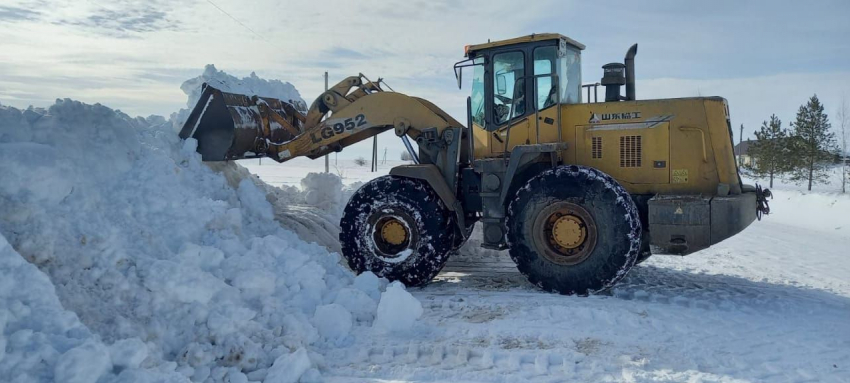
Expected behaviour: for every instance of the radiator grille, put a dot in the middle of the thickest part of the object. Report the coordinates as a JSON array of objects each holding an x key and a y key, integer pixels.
[
  {"x": 630, "y": 151},
  {"x": 596, "y": 147}
]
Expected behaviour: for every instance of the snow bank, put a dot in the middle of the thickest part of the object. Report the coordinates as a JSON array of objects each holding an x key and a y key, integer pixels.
[
  {"x": 825, "y": 212},
  {"x": 176, "y": 272}
]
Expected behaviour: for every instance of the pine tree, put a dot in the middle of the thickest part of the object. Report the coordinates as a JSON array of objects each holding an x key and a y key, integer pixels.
[
  {"x": 811, "y": 144},
  {"x": 770, "y": 150}
]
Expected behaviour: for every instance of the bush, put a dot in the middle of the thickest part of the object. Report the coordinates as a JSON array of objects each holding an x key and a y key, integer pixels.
[
  {"x": 360, "y": 161},
  {"x": 405, "y": 156}
]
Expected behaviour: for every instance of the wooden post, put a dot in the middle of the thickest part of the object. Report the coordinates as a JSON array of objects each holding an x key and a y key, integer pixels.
[
  {"x": 327, "y": 159},
  {"x": 375, "y": 153}
]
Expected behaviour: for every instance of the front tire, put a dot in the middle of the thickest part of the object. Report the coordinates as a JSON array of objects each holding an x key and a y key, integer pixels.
[
  {"x": 573, "y": 230},
  {"x": 397, "y": 228}
]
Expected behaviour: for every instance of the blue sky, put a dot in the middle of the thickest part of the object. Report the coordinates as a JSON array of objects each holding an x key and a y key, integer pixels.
[{"x": 764, "y": 56}]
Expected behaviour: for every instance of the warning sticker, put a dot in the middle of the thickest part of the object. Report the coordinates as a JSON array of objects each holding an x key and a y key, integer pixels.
[{"x": 680, "y": 176}]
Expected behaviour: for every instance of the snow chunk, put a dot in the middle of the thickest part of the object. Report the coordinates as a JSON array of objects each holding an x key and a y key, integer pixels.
[
  {"x": 288, "y": 368},
  {"x": 83, "y": 364},
  {"x": 369, "y": 283},
  {"x": 398, "y": 310},
  {"x": 254, "y": 200},
  {"x": 183, "y": 283},
  {"x": 333, "y": 321},
  {"x": 128, "y": 352},
  {"x": 360, "y": 304}
]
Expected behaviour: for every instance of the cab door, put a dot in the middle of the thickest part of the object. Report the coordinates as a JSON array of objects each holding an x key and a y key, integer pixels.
[{"x": 507, "y": 99}]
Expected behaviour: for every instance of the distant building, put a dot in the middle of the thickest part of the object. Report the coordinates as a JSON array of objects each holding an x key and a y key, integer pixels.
[{"x": 742, "y": 153}]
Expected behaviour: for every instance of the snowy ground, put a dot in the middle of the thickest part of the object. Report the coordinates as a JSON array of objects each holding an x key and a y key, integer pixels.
[
  {"x": 771, "y": 304},
  {"x": 123, "y": 258}
]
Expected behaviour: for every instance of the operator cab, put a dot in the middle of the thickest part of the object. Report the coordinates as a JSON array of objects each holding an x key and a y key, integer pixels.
[{"x": 516, "y": 77}]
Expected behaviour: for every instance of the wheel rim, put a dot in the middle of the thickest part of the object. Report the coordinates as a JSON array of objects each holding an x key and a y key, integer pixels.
[
  {"x": 568, "y": 231},
  {"x": 393, "y": 232},
  {"x": 564, "y": 233}
]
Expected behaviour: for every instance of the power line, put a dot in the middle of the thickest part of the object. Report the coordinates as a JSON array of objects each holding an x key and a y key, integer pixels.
[{"x": 239, "y": 22}]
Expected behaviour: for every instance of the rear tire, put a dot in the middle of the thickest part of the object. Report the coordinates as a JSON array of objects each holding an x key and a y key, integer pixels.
[
  {"x": 397, "y": 228},
  {"x": 573, "y": 230}
]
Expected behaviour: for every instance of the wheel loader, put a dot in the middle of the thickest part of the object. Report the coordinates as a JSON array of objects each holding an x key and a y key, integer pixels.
[{"x": 577, "y": 191}]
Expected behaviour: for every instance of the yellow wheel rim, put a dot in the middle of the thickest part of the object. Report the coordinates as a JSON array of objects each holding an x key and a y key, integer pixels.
[
  {"x": 564, "y": 233},
  {"x": 394, "y": 232},
  {"x": 569, "y": 232}
]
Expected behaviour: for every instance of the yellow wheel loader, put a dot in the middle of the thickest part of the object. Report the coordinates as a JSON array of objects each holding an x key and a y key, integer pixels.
[{"x": 577, "y": 190}]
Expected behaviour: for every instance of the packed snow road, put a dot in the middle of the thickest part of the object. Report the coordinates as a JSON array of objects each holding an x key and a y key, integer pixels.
[{"x": 771, "y": 304}]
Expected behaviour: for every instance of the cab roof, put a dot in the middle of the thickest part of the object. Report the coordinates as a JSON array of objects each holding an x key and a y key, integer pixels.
[{"x": 471, "y": 49}]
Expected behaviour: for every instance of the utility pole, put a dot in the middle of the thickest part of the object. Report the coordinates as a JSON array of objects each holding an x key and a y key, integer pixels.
[
  {"x": 741, "y": 136},
  {"x": 327, "y": 159},
  {"x": 384, "y": 162},
  {"x": 740, "y": 141}
]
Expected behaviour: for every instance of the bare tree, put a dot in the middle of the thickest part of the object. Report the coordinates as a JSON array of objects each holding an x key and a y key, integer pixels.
[
  {"x": 843, "y": 121},
  {"x": 360, "y": 161}
]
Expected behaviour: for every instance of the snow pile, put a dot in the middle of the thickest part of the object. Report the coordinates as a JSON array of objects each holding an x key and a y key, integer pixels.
[
  {"x": 175, "y": 273},
  {"x": 251, "y": 85}
]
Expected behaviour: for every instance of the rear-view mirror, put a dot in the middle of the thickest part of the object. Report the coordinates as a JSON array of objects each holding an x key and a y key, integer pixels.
[{"x": 501, "y": 84}]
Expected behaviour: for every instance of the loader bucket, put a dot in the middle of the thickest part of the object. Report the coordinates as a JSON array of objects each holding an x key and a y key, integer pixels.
[{"x": 230, "y": 126}]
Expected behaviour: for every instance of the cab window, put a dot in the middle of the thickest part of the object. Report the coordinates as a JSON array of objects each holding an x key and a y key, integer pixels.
[
  {"x": 507, "y": 68},
  {"x": 545, "y": 61}
]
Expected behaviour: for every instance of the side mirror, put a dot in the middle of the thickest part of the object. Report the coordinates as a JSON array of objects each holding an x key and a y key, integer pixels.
[
  {"x": 459, "y": 76},
  {"x": 501, "y": 84}
]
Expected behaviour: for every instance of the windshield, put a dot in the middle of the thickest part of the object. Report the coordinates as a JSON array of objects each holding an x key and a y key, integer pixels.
[
  {"x": 478, "y": 92},
  {"x": 508, "y": 70}
]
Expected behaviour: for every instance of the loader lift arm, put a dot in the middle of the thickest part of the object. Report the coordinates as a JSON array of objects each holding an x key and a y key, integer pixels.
[{"x": 353, "y": 110}]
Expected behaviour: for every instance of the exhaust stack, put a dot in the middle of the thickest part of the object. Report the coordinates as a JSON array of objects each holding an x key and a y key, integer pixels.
[{"x": 630, "y": 73}]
